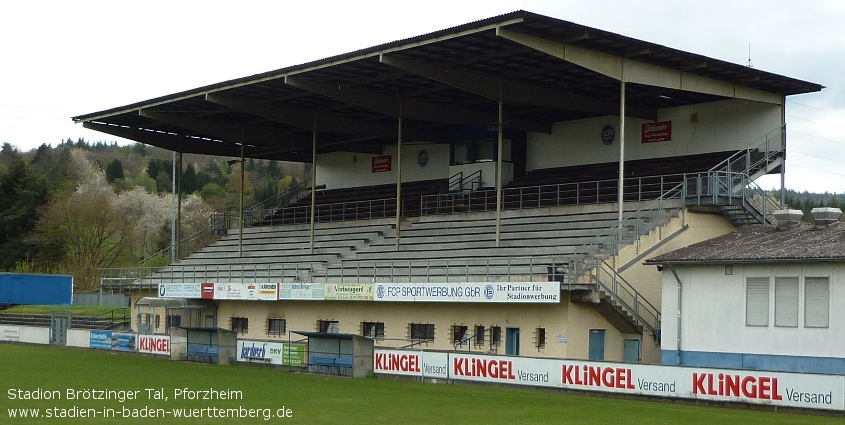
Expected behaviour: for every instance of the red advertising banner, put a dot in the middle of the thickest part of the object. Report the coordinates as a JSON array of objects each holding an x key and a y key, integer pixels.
[
  {"x": 382, "y": 164},
  {"x": 657, "y": 132},
  {"x": 207, "y": 290}
]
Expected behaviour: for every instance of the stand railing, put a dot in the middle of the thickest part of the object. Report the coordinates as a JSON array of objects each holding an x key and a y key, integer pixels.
[{"x": 220, "y": 223}]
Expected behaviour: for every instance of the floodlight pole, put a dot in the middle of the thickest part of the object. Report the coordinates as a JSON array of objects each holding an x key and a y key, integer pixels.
[
  {"x": 179, "y": 198},
  {"x": 173, "y": 247}
]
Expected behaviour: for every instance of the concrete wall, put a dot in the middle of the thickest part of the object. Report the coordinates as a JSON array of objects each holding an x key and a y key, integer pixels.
[
  {"x": 572, "y": 322},
  {"x": 340, "y": 170},
  {"x": 726, "y": 125}
]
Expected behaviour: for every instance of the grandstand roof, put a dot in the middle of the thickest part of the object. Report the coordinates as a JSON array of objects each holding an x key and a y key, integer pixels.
[{"x": 545, "y": 70}]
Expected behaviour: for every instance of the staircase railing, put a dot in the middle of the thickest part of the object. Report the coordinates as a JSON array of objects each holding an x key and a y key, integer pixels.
[
  {"x": 459, "y": 183},
  {"x": 760, "y": 154},
  {"x": 106, "y": 320},
  {"x": 220, "y": 223},
  {"x": 624, "y": 294}
]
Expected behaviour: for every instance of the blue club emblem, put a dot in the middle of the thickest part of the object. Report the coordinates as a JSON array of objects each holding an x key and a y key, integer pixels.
[
  {"x": 488, "y": 292},
  {"x": 380, "y": 291}
]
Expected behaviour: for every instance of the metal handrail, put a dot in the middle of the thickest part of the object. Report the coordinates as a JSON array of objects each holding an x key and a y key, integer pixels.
[
  {"x": 632, "y": 300},
  {"x": 576, "y": 193},
  {"x": 125, "y": 315},
  {"x": 220, "y": 223}
]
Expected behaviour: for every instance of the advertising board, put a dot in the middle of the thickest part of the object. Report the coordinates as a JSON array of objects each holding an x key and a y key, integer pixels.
[
  {"x": 349, "y": 291},
  {"x": 154, "y": 344},
  {"x": 271, "y": 352},
  {"x": 246, "y": 291},
  {"x": 470, "y": 292},
  {"x": 179, "y": 290},
  {"x": 302, "y": 291},
  {"x": 801, "y": 390}
]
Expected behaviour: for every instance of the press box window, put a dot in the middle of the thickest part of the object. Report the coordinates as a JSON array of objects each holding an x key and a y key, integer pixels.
[
  {"x": 276, "y": 326},
  {"x": 757, "y": 301},
  {"x": 373, "y": 330},
  {"x": 422, "y": 331},
  {"x": 240, "y": 325},
  {"x": 816, "y": 302}
]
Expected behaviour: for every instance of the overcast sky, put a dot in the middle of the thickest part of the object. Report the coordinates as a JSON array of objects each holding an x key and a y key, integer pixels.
[{"x": 64, "y": 58}]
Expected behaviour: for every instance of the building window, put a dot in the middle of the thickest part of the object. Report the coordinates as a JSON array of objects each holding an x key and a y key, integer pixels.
[
  {"x": 422, "y": 331},
  {"x": 540, "y": 338},
  {"x": 479, "y": 335},
  {"x": 276, "y": 326},
  {"x": 373, "y": 330},
  {"x": 173, "y": 320},
  {"x": 786, "y": 301},
  {"x": 158, "y": 321},
  {"x": 757, "y": 301},
  {"x": 459, "y": 333},
  {"x": 495, "y": 336},
  {"x": 240, "y": 325},
  {"x": 328, "y": 326},
  {"x": 817, "y": 302}
]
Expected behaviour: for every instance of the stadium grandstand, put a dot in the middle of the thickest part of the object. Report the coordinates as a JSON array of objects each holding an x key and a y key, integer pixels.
[{"x": 490, "y": 187}]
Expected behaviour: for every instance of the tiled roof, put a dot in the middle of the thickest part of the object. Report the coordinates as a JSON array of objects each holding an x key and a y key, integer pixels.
[{"x": 765, "y": 243}]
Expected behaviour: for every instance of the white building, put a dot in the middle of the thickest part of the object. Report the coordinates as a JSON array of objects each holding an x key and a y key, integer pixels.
[{"x": 762, "y": 297}]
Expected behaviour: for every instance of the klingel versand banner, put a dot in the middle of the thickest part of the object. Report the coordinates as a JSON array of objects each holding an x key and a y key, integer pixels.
[{"x": 808, "y": 391}]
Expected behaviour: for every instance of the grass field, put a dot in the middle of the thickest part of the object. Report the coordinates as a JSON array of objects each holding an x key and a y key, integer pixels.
[
  {"x": 79, "y": 311},
  {"x": 314, "y": 399}
]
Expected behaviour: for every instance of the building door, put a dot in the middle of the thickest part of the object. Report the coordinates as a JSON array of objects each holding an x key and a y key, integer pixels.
[
  {"x": 145, "y": 324},
  {"x": 596, "y": 344},
  {"x": 512, "y": 341},
  {"x": 59, "y": 324},
  {"x": 631, "y": 351}
]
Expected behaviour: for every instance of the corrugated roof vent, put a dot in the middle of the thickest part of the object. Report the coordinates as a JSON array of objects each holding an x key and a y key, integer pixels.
[
  {"x": 825, "y": 217},
  {"x": 787, "y": 218}
]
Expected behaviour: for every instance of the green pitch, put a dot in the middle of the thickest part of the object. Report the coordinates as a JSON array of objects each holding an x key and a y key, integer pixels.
[{"x": 90, "y": 387}]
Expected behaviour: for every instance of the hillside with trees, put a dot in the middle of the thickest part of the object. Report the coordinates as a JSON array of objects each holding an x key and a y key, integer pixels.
[{"x": 79, "y": 207}]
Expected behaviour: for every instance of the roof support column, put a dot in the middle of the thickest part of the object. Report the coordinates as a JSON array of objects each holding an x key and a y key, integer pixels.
[
  {"x": 621, "y": 194},
  {"x": 783, "y": 156},
  {"x": 173, "y": 241},
  {"x": 241, "y": 212},
  {"x": 313, "y": 181},
  {"x": 499, "y": 143},
  {"x": 179, "y": 199},
  {"x": 399, "y": 177}
]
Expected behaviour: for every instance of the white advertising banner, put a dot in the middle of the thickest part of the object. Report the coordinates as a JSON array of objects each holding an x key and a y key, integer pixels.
[
  {"x": 179, "y": 290},
  {"x": 276, "y": 353},
  {"x": 809, "y": 391},
  {"x": 302, "y": 291},
  {"x": 470, "y": 292},
  {"x": 427, "y": 364},
  {"x": 154, "y": 344},
  {"x": 246, "y": 291},
  {"x": 10, "y": 333}
]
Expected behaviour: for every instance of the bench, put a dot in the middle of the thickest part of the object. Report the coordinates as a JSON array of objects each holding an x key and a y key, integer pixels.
[
  {"x": 265, "y": 360},
  {"x": 203, "y": 352},
  {"x": 332, "y": 365}
]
